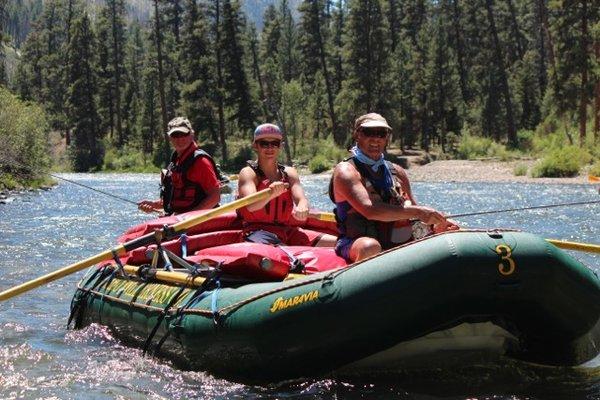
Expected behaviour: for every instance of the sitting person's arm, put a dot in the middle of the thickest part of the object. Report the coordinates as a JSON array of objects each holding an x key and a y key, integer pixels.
[
  {"x": 203, "y": 173},
  {"x": 149, "y": 206},
  {"x": 349, "y": 187},
  {"x": 300, "y": 211}
]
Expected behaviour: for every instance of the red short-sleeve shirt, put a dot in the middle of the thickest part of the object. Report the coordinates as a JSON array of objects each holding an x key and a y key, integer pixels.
[{"x": 201, "y": 172}]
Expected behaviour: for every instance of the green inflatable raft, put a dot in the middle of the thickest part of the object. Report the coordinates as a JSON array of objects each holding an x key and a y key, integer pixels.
[{"x": 506, "y": 293}]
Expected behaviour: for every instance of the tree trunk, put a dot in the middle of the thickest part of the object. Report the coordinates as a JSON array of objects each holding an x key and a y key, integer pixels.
[
  {"x": 117, "y": 71},
  {"x": 220, "y": 105},
  {"x": 541, "y": 44},
  {"x": 161, "y": 75},
  {"x": 338, "y": 136},
  {"x": 597, "y": 98},
  {"x": 510, "y": 121},
  {"x": 258, "y": 77},
  {"x": 584, "y": 77},
  {"x": 518, "y": 37},
  {"x": 460, "y": 54}
]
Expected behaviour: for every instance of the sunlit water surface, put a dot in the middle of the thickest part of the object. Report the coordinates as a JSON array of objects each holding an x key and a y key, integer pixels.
[{"x": 46, "y": 230}]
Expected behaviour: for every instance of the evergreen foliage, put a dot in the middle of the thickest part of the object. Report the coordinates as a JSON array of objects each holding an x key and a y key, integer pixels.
[
  {"x": 467, "y": 78},
  {"x": 86, "y": 151}
]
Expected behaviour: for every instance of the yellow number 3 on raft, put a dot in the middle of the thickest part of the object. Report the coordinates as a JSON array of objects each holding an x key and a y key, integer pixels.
[{"x": 507, "y": 266}]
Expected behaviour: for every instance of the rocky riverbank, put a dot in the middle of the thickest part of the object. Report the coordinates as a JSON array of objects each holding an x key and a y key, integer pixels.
[
  {"x": 482, "y": 171},
  {"x": 479, "y": 171}
]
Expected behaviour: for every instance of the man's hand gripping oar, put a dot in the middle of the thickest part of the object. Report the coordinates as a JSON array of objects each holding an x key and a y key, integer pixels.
[{"x": 166, "y": 232}]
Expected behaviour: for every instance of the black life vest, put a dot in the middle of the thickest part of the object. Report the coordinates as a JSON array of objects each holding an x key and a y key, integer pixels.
[
  {"x": 354, "y": 224},
  {"x": 178, "y": 193}
]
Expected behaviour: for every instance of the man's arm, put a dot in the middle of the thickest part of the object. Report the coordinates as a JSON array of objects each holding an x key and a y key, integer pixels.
[
  {"x": 349, "y": 187},
  {"x": 204, "y": 174},
  {"x": 405, "y": 183}
]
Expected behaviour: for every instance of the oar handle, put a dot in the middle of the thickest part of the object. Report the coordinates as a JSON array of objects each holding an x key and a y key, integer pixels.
[
  {"x": 322, "y": 216},
  {"x": 68, "y": 270},
  {"x": 234, "y": 205}
]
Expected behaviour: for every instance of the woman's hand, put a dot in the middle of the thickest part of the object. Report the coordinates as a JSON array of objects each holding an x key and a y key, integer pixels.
[
  {"x": 300, "y": 213},
  {"x": 278, "y": 188}
]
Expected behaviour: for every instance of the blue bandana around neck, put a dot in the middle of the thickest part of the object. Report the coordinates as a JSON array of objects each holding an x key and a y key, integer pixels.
[{"x": 386, "y": 182}]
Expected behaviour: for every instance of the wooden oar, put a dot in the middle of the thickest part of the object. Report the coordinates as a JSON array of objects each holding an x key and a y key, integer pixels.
[
  {"x": 588, "y": 247},
  {"x": 322, "y": 216},
  {"x": 563, "y": 244},
  {"x": 145, "y": 240}
]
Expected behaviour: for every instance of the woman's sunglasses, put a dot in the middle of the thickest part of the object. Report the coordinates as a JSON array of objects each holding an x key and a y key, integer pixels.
[
  {"x": 268, "y": 143},
  {"x": 378, "y": 133}
]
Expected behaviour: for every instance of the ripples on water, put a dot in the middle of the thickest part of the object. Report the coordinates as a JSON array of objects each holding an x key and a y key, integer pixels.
[{"x": 44, "y": 231}]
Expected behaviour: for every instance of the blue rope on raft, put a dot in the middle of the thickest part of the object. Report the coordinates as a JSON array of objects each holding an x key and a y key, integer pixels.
[
  {"x": 183, "y": 239},
  {"x": 213, "y": 303}
]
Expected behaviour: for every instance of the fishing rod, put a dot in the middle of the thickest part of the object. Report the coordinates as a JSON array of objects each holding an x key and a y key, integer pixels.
[
  {"x": 576, "y": 203},
  {"x": 85, "y": 186},
  {"x": 8, "y": 162}
]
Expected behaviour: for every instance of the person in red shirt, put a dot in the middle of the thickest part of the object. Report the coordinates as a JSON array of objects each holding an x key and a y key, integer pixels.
[
  {"x": 190, "y": 181},
  {"x": 272, "y": 220}
]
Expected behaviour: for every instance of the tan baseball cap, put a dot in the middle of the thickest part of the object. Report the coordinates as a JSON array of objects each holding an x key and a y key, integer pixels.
[
  {"x": 179, "y": 124},
  {"x": 371, "y": 120}
]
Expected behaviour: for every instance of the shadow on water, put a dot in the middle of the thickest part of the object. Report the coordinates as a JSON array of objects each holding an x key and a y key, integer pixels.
[{"x": 485, "y": 379}]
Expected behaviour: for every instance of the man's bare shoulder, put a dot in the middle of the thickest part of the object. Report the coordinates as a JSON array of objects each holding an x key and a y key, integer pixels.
[
  {"x": 400, "y": 171},
  {"x": 345, "y": 172}
]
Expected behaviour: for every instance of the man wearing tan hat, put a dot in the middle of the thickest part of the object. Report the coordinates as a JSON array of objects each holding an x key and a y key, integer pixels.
[
  {"x": 190, "y": 180},
  {"x": 375, "y": 208}
]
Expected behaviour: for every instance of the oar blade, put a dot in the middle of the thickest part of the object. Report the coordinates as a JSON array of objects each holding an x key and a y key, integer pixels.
[
  {"x": 60, "y": 273},
  {"x": 132, "y": 244}
]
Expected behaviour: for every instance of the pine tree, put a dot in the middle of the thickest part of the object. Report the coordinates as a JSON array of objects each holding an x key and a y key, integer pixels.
[
  {"x": 441, "y": 78},
  {"x": 366, "y": 60},
  {"x": 2, "y": 56},
  {"x": 150, "y": 119},
  {"x": 132, "y": 96},
  {"x": 235, "y": 79},
  {"x": 53, "y": 90},
  {"x": 315, "y": 57},
  {"x": 197, "y": 66},
  {"x": 86, "y": 148},
  {"x": 569, "y": 27},
  {"x": 113, "y": 15},
  {"x": 338, "y": 23},
  {"x": 29, "y": 77},
  {"x": 257, "y": 74}
]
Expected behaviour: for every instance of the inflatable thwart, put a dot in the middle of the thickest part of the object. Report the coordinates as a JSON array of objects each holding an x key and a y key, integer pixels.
[{"x": 255, "y": 311}]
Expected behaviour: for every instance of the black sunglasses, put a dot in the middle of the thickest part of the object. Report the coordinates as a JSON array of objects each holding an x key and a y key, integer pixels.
[
  {"x": 268, "y": 143},
  {"x": 179, "y": 134},
  {"x": 379, "y": 133}
]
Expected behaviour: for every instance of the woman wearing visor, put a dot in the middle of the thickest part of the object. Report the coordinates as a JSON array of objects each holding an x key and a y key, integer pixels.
[{"x": 271, "y": 220}]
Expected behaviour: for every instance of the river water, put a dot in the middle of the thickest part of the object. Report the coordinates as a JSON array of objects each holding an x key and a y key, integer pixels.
[{"x": 46, "y": 230}]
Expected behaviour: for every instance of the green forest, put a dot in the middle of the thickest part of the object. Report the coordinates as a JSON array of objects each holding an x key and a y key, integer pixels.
[{"x": 457, "y": 78}]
